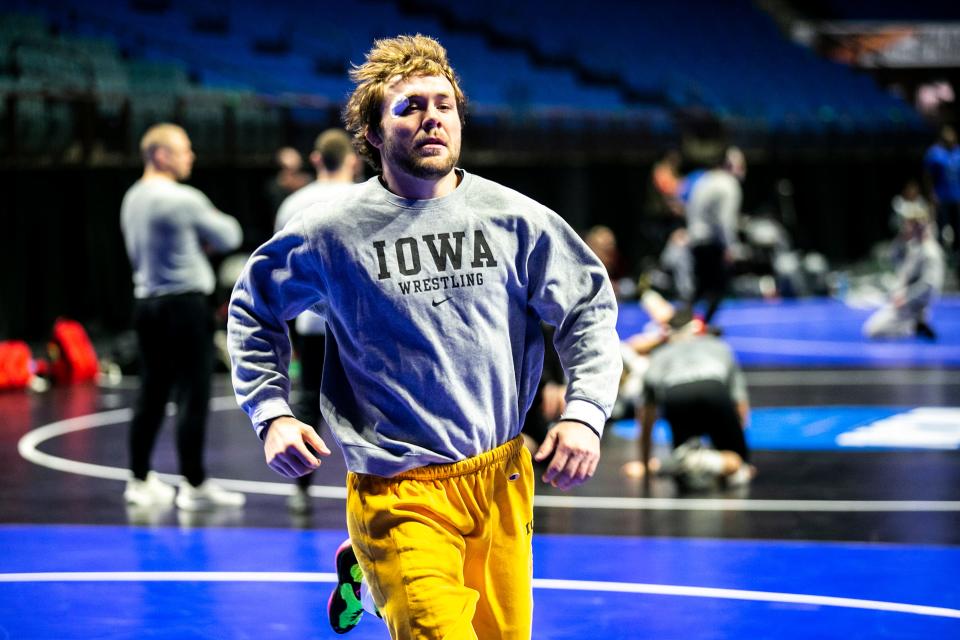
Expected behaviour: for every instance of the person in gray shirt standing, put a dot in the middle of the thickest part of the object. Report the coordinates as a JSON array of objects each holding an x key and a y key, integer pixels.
[
  {"x": 713, "y": 210},
  {"x": 167, "y": 229},
  {"x": 433, "y": 282}
]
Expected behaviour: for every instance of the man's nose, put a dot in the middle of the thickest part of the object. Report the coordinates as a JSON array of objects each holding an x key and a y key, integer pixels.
[{"x": 431, "y": 117}]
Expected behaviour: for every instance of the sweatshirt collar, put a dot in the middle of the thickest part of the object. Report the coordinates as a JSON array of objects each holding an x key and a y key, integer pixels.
[{"x": 455, "y": 196}]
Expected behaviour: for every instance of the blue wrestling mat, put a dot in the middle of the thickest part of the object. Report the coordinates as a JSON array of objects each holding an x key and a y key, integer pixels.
[
  {"x": 824, "y": 428},
  {"x": 819, "y": 332},
  {"x": 76, "y": 583}
]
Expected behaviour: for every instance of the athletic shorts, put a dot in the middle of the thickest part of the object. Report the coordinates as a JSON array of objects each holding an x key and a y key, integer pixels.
[
  {"x": 705, "y": 408},
  {"x": 446, "y": 549}
]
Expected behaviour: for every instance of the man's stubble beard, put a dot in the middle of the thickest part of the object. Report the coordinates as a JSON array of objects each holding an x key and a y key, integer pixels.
[{"x": 423, "y": 167}]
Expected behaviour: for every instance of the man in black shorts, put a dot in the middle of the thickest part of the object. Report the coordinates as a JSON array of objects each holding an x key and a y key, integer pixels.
[{"x": 695, "y": 383}]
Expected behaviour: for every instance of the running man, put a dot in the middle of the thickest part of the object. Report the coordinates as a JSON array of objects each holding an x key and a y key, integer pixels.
[{"x": 433, "y": 282}]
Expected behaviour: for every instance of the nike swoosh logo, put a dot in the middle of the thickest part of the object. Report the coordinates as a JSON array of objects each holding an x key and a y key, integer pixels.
[{"x": 437, "y": 304}]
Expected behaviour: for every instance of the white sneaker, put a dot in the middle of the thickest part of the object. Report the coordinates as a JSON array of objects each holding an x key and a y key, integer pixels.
[
  {"x": 704, "y": 460},
  {"x": 152, "y": 492},
  {"x": 741, "y": 477},
  {"x": 299, "y": 501},
  {"x": 207, "y": 496},
  {"x": 676, "y": 462},
  {"x": 695, "y": 466}
]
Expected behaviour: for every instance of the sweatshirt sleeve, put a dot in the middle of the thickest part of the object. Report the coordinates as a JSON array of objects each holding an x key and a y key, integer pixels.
[
  {"x": 281, "y": 279},
  {"x": 569, "y": 290},
  {"x": 217, "y": 229}
]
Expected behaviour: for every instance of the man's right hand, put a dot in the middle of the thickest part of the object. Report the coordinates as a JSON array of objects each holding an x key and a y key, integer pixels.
[{"x": 287, "y": 447}]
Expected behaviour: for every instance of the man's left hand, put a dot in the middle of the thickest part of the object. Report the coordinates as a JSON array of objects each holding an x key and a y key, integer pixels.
[{"x": 576, "y": 453}]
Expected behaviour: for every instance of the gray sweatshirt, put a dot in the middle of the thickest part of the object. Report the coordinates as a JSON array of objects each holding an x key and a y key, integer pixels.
[
  {"x": 434, "y": 347},
  {"x": 920, "y": 275},
  {"x": 308, "y": 323},
  {"x": 714, "y": 208},
  {"x": 165, "y": 228}
]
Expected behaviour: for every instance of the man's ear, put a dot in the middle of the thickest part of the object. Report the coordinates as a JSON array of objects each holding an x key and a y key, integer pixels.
[
  {"x": 160, "y": 156},
  {"x": 373, "y": 137}
]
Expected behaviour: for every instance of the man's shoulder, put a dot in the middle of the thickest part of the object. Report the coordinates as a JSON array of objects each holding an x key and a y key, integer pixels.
[
  {"x": 935, "y": 154},
  {"x": 712, "y": 181},
  {"x": 487, "y": 194},
  {"x": 725, "y": 178},
  {"x": 169, "y": 190},
  {"x": 718, "y": 345},
  {"x": 337, "y": 212},
  {"x": 320, "y": 192},
  {"x": 932, "y": 249},
  {"x": 313, "y": 194},
  {"x": 173, "y": 189}
]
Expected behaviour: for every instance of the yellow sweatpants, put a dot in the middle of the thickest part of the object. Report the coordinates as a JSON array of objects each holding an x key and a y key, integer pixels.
[{"x": 446, "y": 549}]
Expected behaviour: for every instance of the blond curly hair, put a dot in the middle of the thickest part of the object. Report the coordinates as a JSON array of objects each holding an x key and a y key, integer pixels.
[{"x": 405, "y": 56}]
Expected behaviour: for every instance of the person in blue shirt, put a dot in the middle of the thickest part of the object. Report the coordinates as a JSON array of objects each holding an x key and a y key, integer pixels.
[{"x": 941, "y": 166}]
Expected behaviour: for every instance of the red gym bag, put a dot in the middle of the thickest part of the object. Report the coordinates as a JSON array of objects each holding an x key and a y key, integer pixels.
[
  {"x": 15, "y": 363},
  {"x": 72, "y": 357}
]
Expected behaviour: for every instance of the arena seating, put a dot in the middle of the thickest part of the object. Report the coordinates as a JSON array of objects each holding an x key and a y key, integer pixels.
[{"x": 219, "y": 65}]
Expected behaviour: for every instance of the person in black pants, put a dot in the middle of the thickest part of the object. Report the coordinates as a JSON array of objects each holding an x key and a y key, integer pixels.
[
  {"x": 174, "y": 334},
  {"x": 713, "y": 210},
  {"x": 167, "y": 229}
]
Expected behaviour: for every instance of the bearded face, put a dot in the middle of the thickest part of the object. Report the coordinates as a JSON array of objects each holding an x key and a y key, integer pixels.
[{"x": 420, "y": 128}]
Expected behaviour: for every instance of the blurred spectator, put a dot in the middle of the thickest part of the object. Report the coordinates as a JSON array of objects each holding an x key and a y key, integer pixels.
[
  {"x": 289, "y": 178},
  {"x": 603, "y": 243},
  {"x": 665, "y": 179},
  {"x": 713, "y": 210},
  {"x": 635, "y": 352},
  {"x": 677, "y": 260},
  {"x": 942, "y": 175},
  {"x": 902, "y": 207},
  {"x": 909, "y": 196},
  {"x": 337, "y": 165},
  {"x": 167, "y": 227},
  {"x": 919, "y": 281},
  {"x": 663, "y": 208}
]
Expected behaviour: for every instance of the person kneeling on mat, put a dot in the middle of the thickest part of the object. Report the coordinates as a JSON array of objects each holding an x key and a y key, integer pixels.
[
  {"x": 919, "y": 280},
  {"x": 694, "y": 381}
]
